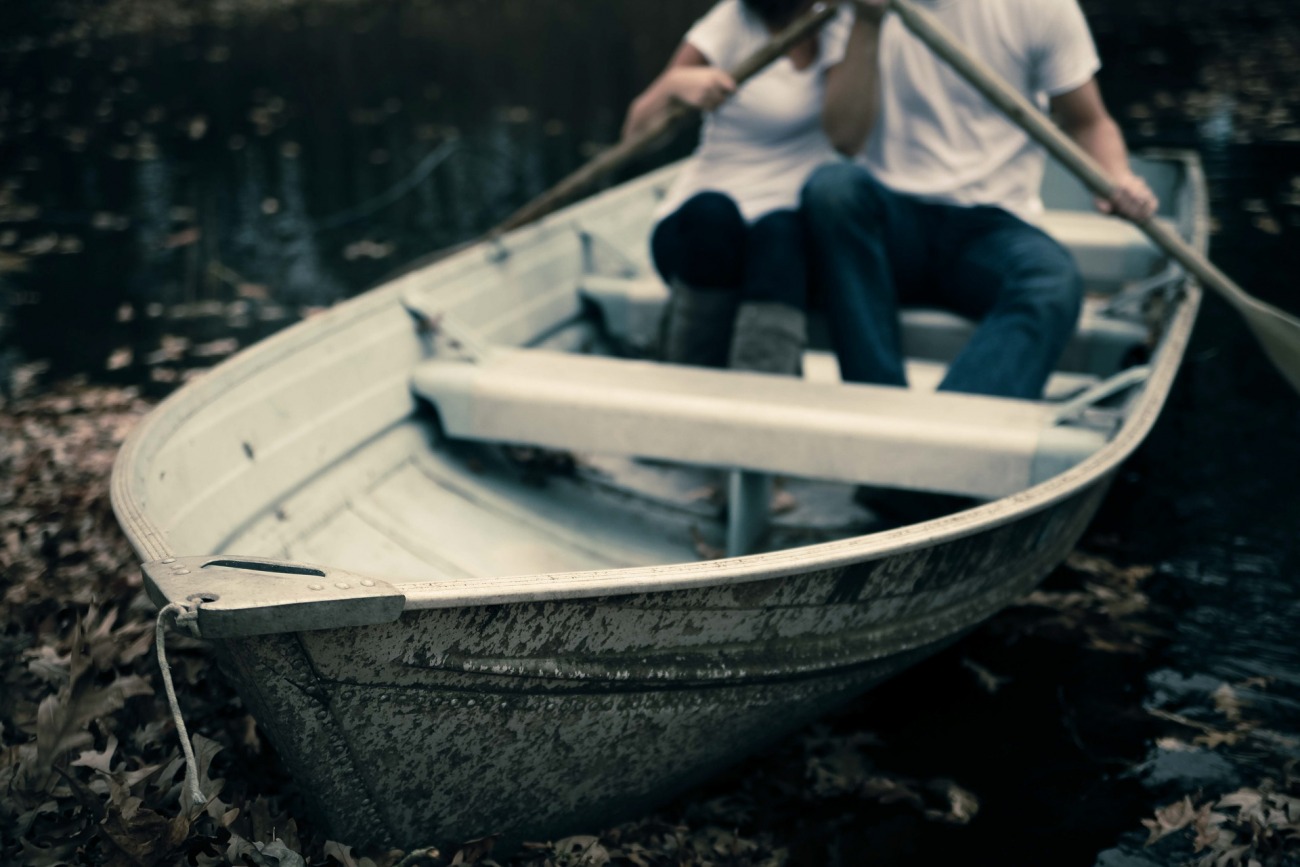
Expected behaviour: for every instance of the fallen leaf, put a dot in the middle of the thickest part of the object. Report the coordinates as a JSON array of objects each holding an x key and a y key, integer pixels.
[
  {"x": 1169, "y": 819},
  {"x": 585, "y": 851},
  {"x": 1213, "y": 739},
  {"x": 183, "y": 238},
  {"x": 988, "y": 681},
  {"x": 474, "y": 851},
  {"x": 120, "y": 358},
  {"x": 1174, "y": 745},
  {"x": 272, "y": 854},
  {"x": 339, "y": 852},
  {"x": 99, "y": 761},
  {"x": 62, "y": 720}
]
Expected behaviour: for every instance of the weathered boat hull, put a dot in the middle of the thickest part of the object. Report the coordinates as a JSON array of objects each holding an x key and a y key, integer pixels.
[
  {"x": 500, "y": 659},
  {"x": 429, "y": 728}
]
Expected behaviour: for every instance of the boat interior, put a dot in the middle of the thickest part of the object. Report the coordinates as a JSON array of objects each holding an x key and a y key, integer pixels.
[{"x": 506, "y": 415}]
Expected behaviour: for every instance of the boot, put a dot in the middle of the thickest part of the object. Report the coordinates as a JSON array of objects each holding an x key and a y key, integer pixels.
[
  {"x": 769, "y": 338},
  {"x": 697, "y": 325}
]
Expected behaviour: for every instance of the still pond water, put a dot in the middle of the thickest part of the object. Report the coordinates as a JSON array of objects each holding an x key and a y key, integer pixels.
[{"x": 176, "y": 184}]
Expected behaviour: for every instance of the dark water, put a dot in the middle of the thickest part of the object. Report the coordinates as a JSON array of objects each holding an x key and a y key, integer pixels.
[
  {"x": 176, "y": 183},
  {"x": 272, "y": 163}
]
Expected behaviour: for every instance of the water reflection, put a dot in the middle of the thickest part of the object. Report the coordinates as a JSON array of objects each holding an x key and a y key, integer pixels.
[{"x": 291, "y": 157}]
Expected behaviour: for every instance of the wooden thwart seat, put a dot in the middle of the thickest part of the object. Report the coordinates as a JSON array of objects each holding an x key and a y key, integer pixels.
[{"x": 961, "y": 444}]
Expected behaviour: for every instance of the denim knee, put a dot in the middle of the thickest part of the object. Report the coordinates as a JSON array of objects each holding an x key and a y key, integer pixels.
[
  {"x": 1050, "y": 283},
  {"x": 776, "y": 261},
  {"x": 841, "y": 191},
  {"x": 702, "y": 243},
  {"x": 712, "y": 212}
]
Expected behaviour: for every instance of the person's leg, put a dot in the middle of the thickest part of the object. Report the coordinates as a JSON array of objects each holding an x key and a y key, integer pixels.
[
  {"x": 776, "y": 260},
  {"x": 699, "y": 250},
  {"x": 1025, "y": 291},
  {"x": 702, "y": 243},
  {"x": 872, "y": 248},
  {"x": 771, "y": 324},
  {"x": 868, "y": 247}
]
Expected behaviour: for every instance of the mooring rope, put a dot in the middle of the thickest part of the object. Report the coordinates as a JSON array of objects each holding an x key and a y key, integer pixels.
[{"x": 187, "y": 616}]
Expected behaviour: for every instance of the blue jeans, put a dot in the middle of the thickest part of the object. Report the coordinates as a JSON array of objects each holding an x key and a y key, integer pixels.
[
  {"x": 707, "y": 244},
  {"x": 874, "y": 249}
]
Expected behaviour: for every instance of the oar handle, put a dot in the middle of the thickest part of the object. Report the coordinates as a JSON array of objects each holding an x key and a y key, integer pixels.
[
  {"x": 1028, "y": 117},
  {"x": 675, "y": 118}
]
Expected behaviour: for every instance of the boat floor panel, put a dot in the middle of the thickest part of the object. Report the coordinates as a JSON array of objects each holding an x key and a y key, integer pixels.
[
  {"x": 351, "y": 542},
  {"x": 399, "y": 524},
  {"x": 609, "y": 525},
  {"x": 630, "y": 513},
  {"x": 492, "y": 537}
]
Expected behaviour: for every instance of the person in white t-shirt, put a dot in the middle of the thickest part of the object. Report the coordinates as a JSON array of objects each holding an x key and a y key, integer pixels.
[
  {"x": 938, "y": 207},
  {"x": 728, "y": 238}
]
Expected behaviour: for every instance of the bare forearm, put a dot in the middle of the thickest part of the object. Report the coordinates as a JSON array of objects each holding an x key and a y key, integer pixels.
[
  {"x": 1083, "y": 116},
  {"x": 688, "y": 80},
  {"x": 1102, "y": 140},
  {"x": 648, "y": 108},
  {"x": 853, "y": 90}
]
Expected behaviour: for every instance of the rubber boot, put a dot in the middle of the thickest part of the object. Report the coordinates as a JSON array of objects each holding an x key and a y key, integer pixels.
[
  {"x": 697, "y": 325},
  {"x": 769, "y": 338}
]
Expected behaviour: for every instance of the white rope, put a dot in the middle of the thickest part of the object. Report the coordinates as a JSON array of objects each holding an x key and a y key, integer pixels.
[{"x": 187, "y": 616}]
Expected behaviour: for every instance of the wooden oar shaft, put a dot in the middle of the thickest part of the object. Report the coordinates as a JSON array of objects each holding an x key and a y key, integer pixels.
[
  {"x": 1028, "y": 116},
  {"x": 582, "y": 180}
]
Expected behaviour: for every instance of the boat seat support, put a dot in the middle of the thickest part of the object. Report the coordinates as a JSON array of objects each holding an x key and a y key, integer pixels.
[{"x": 749, "y": 496}]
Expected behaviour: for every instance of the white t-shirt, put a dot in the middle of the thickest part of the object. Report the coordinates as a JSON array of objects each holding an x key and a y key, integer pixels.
[
  {"x": 938, "y": 137},
  {"x": 761, "y": 144}
]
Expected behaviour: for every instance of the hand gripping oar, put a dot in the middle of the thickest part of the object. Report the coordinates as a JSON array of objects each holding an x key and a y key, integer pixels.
[
  {"x": 1277, "y": 331},
  {"x": 673, "y": 120}
]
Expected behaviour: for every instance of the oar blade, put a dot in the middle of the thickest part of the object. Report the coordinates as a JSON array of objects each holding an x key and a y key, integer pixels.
[{"x": 1278, "y": 333}]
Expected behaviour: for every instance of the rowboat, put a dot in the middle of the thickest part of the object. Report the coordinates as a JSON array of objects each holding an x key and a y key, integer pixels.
[{"x": 447, "y": 543}]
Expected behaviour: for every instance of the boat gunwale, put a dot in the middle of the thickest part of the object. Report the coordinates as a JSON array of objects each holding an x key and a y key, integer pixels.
[{"x": 150, "y": 542}]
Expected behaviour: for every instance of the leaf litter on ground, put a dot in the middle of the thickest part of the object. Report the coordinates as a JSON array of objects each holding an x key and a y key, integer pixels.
[{"x": 1255, "y": 825}]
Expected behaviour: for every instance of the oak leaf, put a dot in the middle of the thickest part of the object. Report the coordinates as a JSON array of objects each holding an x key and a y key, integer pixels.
[{"x": 1169, "y": 819}]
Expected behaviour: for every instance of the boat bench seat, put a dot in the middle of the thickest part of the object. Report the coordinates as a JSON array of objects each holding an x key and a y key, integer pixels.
[
  {"x": 1110, "y": 253},
  {"x": 961, "y": 444}
]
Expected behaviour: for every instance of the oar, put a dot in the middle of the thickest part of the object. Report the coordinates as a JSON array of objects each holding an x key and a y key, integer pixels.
[
  {"x": 1277, "y": 331},
  {"x": 581, "y": 180}
]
